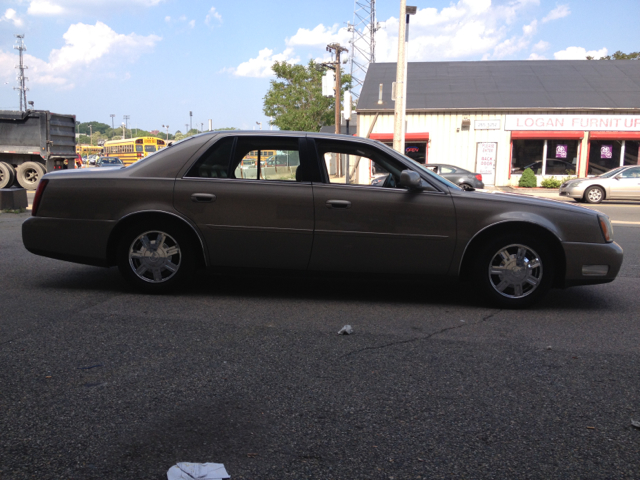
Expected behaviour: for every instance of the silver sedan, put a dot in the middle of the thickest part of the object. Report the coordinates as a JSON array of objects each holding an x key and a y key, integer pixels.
[
  {"x": 192, "y": 205},
  {"x": 621, "y": 183}
]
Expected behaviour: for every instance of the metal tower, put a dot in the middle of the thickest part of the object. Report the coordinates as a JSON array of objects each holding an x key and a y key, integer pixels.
[
  {"x": 21, "y": 68},
  {"x": 363, "y": 41}
]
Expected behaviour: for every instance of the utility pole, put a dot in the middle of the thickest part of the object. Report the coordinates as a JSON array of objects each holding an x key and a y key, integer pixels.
[
  {"x": 335, "y": 47},
  {"x": 167, "y": 127},
  {"x": 113, "y": 115},
  {"x": 399, "y": 126},
  {"x": 21, "y": 68},
  {"x": 91, "y": 133},
  {"x": 190, "y": 118}
]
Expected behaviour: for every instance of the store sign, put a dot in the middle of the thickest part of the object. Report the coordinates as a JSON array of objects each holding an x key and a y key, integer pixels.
[
  {"x": 486, "y": 155},
  {"x": 606, "y": 151},
  {"x": 487, "y": 124},
  {"x": 561, "y": 151},
  {"x": 619, "y": 123}
]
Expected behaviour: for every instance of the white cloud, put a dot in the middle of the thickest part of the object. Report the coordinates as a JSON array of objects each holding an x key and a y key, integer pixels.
[
  {"x": 192, "y": 23},
  {"x": 61, "y": 7},
  {"x": 44, "y": 7},
  {"x": 535, "y": 56},
  {"x": 84, "y": 46},
  {"x": 560, "y": 11},
  {"x": 213, "y": 14},
  {"x": 12, "y": 16},
  {"x": 167, "y": 19},
  {"x": 541, "y": 46},
  {"x": 320, "y": 36},
  {"x": 261, "y": 65},
  {"x": 579, "y": 53}
]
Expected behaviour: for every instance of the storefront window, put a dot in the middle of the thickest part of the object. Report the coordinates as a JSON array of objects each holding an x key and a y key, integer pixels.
[
  {"x": 415, "y": 150},
  {"x": 527, "y": 154},
  {"x": 604, "y": 155},
  {"x": 561, "y": 158},
  {"x": 631, "y": 152}
]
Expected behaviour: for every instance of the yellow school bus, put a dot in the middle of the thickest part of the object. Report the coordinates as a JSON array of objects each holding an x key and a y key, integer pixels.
[
  {"x": 85, "y": 150},
  {"x": 131, "y": 150}
]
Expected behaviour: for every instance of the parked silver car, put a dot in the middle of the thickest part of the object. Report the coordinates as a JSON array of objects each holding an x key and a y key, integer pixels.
[
  {"x": 191, "y": 205},
  {"x": 621, "y": 183}
]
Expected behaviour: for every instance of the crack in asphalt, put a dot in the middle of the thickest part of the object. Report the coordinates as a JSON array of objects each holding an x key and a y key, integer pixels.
[{"x": 411, "y": 340}]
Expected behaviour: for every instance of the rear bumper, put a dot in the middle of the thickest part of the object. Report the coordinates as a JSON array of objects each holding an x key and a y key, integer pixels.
[
  {"x": 581, "y": 255},
  {"x": 79, "y": 241}
]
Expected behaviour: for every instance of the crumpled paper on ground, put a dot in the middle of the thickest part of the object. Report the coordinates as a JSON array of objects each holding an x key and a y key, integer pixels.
[{"x": 202, "y": 471}]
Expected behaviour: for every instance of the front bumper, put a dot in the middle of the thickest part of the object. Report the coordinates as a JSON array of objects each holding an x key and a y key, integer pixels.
[
  {"x": 581, "y": 255},
  {"x": 572, "y": 191},
  {"x": 79, "y": 241}
]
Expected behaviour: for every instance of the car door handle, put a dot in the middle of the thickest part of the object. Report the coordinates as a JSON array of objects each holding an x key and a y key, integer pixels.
[
  {"x": 338, "y": 204},
  {"x": 203, "y": 198}
]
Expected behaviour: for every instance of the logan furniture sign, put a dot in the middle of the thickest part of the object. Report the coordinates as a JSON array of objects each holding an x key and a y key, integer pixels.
[{"x": 620, "y": 123}]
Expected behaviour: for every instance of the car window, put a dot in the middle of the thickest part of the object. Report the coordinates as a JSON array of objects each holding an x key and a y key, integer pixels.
[
  {"x": 252, "y": 158},
  {"x": 631, "y": 173},
  {"x": 444, "y": 170},
  {"x": 357, "y": 164}
]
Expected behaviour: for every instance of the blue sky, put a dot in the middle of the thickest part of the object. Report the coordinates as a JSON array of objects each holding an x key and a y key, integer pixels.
[{"x": 156, "y": 60}]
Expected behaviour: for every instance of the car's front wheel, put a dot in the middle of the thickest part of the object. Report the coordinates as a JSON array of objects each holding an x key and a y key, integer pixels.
[
  {"x": 156, "y": 258},
  {"x": 594, "y": 195},
  {"x": 514, "y": 271}
]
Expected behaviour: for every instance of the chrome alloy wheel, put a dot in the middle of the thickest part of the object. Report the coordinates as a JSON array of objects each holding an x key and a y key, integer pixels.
[
  {"x": 515, "y": 271},
  {"x": 594, "y": 195},
  {"x": 155, "y": 256}
]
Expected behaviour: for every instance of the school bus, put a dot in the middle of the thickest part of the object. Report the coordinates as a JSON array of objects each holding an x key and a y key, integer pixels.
[
  {"x": 131, "y": 150},
  {"x": 85, "y": 150}
]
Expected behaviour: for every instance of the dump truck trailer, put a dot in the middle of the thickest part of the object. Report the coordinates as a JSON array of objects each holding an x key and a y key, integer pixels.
[{"x": 33, "y": 143}]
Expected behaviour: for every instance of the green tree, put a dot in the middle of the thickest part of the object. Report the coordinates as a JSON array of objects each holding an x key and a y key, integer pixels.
[
  {"x": 225, "y": 128},
  {"x": 295, "y": 100},
  {"x": 619, "y": 56}
]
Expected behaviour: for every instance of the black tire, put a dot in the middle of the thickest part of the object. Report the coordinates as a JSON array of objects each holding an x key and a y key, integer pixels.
[
  {"x": 514, "y": 270},
  {"x": 593, "y": 195},
  {"x": 29, "y": 175},
  {"x": 153, "y": 268},
  {"x": 7, "y": 175}
]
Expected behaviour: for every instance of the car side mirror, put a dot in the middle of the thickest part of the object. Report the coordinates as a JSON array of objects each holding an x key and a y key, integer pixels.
[{"x": 410, "y": 180}]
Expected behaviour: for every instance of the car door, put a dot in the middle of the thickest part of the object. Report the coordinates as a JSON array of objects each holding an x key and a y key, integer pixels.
[
  {"x": 250, "y": 215},
  {"x": 626, "y": 184},
  {"x": 366, "y": 228}
]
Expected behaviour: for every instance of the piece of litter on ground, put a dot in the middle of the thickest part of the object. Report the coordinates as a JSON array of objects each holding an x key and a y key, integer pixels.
[
  {"x": 549, "y": 347},
  {"x": 635, "y": 423},
  {"x": 202, "y": 471},
  {"x": 591, "y": 428},
  {"x": 346, "y": 330}
]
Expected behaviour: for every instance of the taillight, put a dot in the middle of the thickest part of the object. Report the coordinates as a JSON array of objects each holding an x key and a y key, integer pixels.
[
  {"x": 479, "y": 176},
  {"x": 38, "y": 196},
  {"x": 139, "y": 155}
]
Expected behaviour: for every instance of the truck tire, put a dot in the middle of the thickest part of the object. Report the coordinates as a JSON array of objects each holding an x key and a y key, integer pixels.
[
  {"x": 7, "y": 175},
  {"x": 29, "y": 175}
]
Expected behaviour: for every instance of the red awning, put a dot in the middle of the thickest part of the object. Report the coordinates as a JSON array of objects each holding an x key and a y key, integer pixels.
[
  {"x": 614, "y": 136},
  {"x": 411, "y": 137},
  {"x": 546, "y": 135}
]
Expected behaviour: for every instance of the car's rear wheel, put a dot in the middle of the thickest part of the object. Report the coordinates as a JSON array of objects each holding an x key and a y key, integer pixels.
[
  {"x": 594, "y": 195},
  {"x": 514, "y": 271},
  {"x": 29, "y": 175},
  {"x": 7, "y": 175},
  {"x": 156, "y": 258}
]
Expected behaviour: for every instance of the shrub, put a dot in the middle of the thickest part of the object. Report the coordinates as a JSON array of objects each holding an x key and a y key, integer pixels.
[
  {"x": 551, "y": 182},
  {"x": 528, "y": 179}
]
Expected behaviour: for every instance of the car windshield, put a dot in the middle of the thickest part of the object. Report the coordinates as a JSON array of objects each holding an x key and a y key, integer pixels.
[
  {"x": 611, "y": 173},
  {"x": 424, "y": 169}
]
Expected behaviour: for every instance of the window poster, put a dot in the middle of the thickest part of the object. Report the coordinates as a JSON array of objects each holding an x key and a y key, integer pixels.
[
  {"x": 606, "y": 151},
  {"x": 561, "y": 151}
]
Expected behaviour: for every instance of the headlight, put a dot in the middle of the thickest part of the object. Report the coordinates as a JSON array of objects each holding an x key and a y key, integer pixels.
[{"x": 607, "y": 229}]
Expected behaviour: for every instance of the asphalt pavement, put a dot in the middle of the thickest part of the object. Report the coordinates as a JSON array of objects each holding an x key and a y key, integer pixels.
[{"x": 98, "y": 382}]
